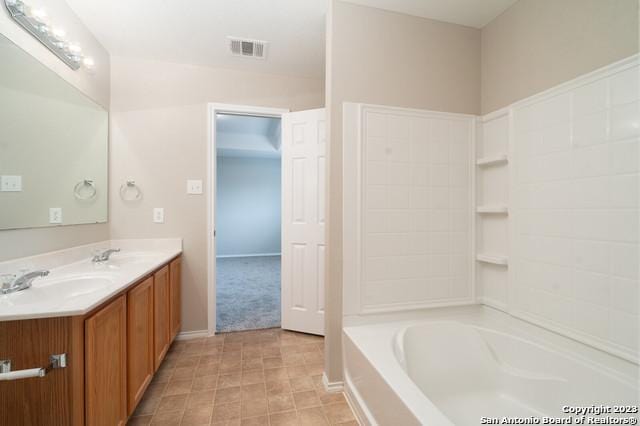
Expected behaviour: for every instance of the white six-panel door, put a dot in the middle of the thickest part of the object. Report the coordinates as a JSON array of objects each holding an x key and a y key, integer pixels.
[{"x": 303, "y": 220}]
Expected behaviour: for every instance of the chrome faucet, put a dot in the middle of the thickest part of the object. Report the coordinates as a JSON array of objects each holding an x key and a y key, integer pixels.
[
  {"x": 104, "y": 255},
  {"x": 22, "y": 282}
]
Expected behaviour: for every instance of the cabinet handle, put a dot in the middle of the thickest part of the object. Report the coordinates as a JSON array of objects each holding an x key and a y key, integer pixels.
[{"x": 55, "y": 361}]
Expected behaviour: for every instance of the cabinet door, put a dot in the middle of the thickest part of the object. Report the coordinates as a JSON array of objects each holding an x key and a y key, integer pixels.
[
  {"x": 140, "y": 352},
  {"x": 175, "y": 270},
  {"x": 105, "y": 365},
  {"x": 161, "y": 317}
]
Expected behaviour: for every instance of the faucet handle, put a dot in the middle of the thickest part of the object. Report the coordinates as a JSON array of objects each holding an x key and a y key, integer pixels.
[{"x": 6, "y": 280}]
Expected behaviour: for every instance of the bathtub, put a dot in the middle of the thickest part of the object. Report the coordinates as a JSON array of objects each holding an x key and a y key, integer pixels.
[{"x": 475, "y": 365}]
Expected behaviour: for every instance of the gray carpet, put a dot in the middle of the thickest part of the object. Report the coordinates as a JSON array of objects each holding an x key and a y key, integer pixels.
[{"x": 248, "y": 293}]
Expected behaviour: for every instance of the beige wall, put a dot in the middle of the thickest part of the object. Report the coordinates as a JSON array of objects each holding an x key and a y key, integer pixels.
[
  {"x": 159, "y": 138},
  {"x": 537, "y": 44},
  {"x": 25, "y": 242},
  {"x": 381, "y": 57}
]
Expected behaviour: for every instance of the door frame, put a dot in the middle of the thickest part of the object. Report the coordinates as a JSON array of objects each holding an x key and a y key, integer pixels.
[{"x": 213, "y": 109}]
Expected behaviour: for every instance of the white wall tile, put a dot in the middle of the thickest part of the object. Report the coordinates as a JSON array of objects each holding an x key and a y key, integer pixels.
[
  {"x": 625, "y": 87},
  {"x": 624, "y": 295},
  {"x": 577, "y": 210},
  {"x": 624, "y": 156},
  {"x": 398, "y": 174},
  {"x": 624, "y": 260},
  {"x": 590, "y": 129},
  {"x": 590, "y": 98},
  {"x": 416, "y": 194},
  {"x": 625, "y": 121}
]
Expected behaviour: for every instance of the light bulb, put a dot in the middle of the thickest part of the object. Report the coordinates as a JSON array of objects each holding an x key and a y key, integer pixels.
[
  {"x": 75, "y": 48},
  {"x": 59, "y": 32},
  {"x": 39, "y": 13},
  {"x": 88, "y": 62}
]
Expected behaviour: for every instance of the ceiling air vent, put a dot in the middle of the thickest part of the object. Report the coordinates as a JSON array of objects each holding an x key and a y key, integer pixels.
[{"x": 248, "y": 48}]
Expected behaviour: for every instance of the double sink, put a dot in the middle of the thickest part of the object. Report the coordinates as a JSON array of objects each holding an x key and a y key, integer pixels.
[{"x": 76, "y": 288}]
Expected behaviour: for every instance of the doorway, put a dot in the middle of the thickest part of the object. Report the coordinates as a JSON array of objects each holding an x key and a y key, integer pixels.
[
  {"x": 266, "y": 266},
  {"x": 248, "y": 222}
]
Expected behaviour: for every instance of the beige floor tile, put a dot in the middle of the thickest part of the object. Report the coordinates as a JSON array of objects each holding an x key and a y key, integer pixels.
[
  {"x": 330, "y": 397},
  {"x": 281, "y": 402},
  {"x": 200, "y": 399},
  {"x": 254, "y": 391},
  {"x": 198, "y": 416},
  {"x": 302, "y": 383},
  {"x": 226, "y": 412},
  {"x": 253, "y": 408},
  {"x": 206, "y": 369},
  {"x": 228, "y": 380},
  {"x": 167, "y": 418},
  {"x": 203, "y": 383},
  {"x": 227, "y": 395},
  {"x": 275, "y": 374},
  {"x": 251, "y": 377},
  {"x": 188, "y": 361},
  {"x": 338, "y": 413},
  {"x": 148, "y": 405},
  {"x": 183, "y": 373},
  {"x": 312, "y": 417},
  {"x": 296, "y": 371},
  {"x": 172, "y": 403},
  {"x": 263, "y": 377},
  {"x": 178, "y": 387},
  {"x": 272, "y": 362},
  {"x": 306, "y": 399},
  {"x": 278, "y": 387},
  {"x": 140, "y": 421},
  {"x": 289, "y": 418},
  {"x": 255, "y": 421}
]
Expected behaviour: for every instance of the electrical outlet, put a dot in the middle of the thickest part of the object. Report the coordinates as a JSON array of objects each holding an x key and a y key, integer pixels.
[
  {"x": 10, "y": 183},
  {"x": 55, "y": 215},
  {"x": 194, "y": 186},
  {"x": 158, "y": 215}
]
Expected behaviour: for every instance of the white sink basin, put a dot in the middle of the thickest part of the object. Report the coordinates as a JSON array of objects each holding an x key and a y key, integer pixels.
[
  {"x": 43, "y": 290},
  {"x": 120, "y": 260}
]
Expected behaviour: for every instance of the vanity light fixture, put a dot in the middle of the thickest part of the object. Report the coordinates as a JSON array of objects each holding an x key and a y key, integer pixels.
[{"x": 36, "y": 22}]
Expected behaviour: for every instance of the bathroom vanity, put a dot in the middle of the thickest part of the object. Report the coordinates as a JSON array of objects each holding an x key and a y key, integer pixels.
[{"x": 113, "y": 321}]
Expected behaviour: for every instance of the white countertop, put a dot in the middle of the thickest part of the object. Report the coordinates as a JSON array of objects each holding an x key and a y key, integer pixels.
[{"x": 75, "y": 284}]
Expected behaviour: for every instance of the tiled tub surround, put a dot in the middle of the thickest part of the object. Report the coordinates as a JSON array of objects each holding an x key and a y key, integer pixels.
[
  {"x": 50, "y": 296},
  {"x": 265, "y": 377},
  {"x": 407, "y": 209},
  {"x": 420, "y": 371},
  {"x": 575, "y": 190}
]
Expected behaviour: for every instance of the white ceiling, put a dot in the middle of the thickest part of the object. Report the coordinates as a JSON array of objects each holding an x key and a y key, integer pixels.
[
  {"x": 472, "y": 13},
  {"x": 247, "y": 136},
  {"x": 195, "y": 31}
]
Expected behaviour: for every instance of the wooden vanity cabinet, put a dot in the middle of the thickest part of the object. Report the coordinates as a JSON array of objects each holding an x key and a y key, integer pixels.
[
  {"x": 112, "y": 354},
  {"x": 175, "y": 272},
  {"x": 106, "y": 365},
  {"x": 161, "y": 317},
  {"x": 140, "y": 349}
]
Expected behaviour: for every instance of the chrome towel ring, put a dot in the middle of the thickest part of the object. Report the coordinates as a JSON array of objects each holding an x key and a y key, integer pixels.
[
  {"x": 129, "y": 191},
  {"x": 85, "y": 190}
]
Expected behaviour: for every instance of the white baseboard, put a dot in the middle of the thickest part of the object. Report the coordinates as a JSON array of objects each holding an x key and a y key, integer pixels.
[
  {"x": 226, "y": 256},
  {"x": 363, "y": 416},
  {"x": 331, "y": 386},
  {"x": 187, "y": 335}
]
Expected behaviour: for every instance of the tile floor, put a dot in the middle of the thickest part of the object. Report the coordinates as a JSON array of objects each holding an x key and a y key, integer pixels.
[{"x": 263, "y": 377}]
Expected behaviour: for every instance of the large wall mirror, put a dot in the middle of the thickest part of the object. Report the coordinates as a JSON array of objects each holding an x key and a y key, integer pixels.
[{"x": 53, "y": 147}]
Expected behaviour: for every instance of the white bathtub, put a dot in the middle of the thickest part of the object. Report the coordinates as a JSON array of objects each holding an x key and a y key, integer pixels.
[{"x": 455, "y": 366}]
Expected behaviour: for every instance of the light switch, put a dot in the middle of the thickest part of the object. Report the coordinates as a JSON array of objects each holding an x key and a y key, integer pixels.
[
  {"x": 55, "y": 215},
  {"x": 10, "y": 183},
  {"x": 158, "y": 215},
  {"x": 194, "y": 186}
]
